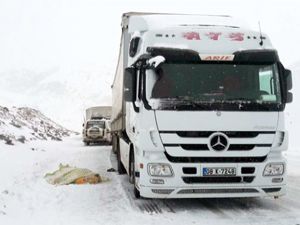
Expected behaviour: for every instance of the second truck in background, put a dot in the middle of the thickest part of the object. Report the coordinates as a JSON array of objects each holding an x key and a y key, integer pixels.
[{"x": 96, "y": 126}]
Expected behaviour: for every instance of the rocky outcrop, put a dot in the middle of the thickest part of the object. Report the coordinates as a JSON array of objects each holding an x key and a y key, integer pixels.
[{"x": 20, "y": 125}]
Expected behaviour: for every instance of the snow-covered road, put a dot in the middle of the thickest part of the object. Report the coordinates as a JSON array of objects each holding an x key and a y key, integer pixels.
[{"x": 26, "y": 198}]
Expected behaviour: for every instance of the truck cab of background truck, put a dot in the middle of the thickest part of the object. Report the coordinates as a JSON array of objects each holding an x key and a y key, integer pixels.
[{"x": 202, "y": 111}]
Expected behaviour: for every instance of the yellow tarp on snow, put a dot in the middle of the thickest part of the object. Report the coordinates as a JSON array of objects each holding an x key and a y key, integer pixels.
[{"x": 72, "y": 175}]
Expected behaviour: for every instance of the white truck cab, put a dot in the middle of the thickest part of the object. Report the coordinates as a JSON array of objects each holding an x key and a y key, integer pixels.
[{"x": 198, "y": 108}]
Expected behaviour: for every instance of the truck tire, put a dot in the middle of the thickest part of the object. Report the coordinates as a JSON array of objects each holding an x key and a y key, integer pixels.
[
  {"x": 121, "y": 169},
  {"x": 114, "y": 144},
  {"x": 136, "y": 192},
  {"x": 131, "y": 168}
]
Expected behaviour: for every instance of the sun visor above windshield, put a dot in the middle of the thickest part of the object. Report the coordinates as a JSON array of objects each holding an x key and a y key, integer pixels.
[
  {"x": 186, "y": 55},
  {"x": 174, "y": 54},
  {"x": 256, "y": 56}
]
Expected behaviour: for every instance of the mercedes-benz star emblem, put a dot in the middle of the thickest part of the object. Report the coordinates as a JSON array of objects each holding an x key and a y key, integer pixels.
[{"x": 218, "y": 142}]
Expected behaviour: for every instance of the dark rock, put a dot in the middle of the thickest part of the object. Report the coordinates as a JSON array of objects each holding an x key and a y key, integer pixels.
[
  {"x": 15, "y": 124},
  {"x": 5, "y": 109},
  {"x": 21, "y": 139},
  {"x": 56, "y": 138},
  {"x": 8, "y": 141},
  {"x": 111, "y": 170}
]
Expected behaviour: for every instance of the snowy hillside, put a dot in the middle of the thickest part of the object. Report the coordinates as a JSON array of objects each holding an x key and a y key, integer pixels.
[
  {"x": 20, "y": 125},
  {"x": 62, "y": 94}
]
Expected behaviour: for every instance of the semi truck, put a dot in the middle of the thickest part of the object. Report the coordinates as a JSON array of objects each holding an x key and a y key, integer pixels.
[
  {"x": 198, "y": 108},
  {"x": 96, "y": 126}
]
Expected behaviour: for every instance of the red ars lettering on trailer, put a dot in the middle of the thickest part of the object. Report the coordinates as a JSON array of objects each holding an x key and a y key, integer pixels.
[
  {"x": 214, "y": 36},
  {"x": 191, "y": 36},
  {"x": 236, "y": 36}
]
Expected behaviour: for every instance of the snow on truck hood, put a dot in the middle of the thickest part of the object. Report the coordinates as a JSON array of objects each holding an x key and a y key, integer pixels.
[
  {"x": 138, "y": 22},
  {"x": 216, "y": 121}
]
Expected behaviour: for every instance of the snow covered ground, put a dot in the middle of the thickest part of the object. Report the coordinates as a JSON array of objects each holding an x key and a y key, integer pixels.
[{"x": 26, "y": 198}]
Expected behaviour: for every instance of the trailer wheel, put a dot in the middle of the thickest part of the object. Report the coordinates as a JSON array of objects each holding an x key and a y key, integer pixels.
[
  {"x": 131, "y": 168},
  {"x": 114, "y": 144},
  {"x": 121, "y": 169},
  {"x": 132, "y": 175}
]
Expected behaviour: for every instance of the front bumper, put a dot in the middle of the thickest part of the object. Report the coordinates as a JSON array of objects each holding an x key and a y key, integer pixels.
[
  {"x": 183, "y": 185},
  {"x": 212, "y": 192},
  {"x": 94, "y": 138}
]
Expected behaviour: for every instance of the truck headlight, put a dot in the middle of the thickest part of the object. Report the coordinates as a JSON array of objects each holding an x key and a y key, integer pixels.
[
  {"x": 160, "y": 170},
  {"x": 274, "y": 169}
]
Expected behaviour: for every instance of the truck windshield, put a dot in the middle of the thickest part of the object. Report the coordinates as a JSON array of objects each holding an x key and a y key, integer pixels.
[
  {"x": 215, "y": 83},
  {"x": 99, "y": 124}
]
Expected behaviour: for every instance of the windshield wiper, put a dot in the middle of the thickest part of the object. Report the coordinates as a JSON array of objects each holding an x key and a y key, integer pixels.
[
  {"x": 247, "y": 103},
  {"x": 193, "y": 102},
  {"x": 239, "y": 100}
]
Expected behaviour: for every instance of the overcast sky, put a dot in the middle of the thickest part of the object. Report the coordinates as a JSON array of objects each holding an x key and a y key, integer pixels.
[{"x": 41, "y": 34}]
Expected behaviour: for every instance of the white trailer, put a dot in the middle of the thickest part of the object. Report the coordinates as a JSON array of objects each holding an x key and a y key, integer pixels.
[
  {"x": 198, "y": 108},
  {"x": 98, "y": 112},
  {"x": 96, "y": 126}
]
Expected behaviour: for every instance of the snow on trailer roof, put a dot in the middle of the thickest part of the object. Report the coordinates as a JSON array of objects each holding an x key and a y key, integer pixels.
[
  {"x": 145, "y": 21},
  {"x": 207, "y": 40}
]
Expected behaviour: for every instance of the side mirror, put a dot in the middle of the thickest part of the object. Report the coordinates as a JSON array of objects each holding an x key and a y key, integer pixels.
[
  {"x": 129, "y": 90},
  {"x": 134, "y": 44},
  {"x": 83, "y": 124},
  {"x": 288, "y": 79},
  {"x": 289, "y": 97}
]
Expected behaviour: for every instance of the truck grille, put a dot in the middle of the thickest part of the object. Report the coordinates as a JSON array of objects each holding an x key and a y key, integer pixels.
[
  {"x": 197, "y": 146},
  {"x": 218, "y": 191},
  {"x": 209, "y": 180},
  {"x": 230, "y": 134},
  {"x": 203, "y": 147},
  {"x": 215, "y": 159}
]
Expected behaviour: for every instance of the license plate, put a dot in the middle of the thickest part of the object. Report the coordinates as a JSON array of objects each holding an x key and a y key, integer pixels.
[{"x": 229, "y": 171}]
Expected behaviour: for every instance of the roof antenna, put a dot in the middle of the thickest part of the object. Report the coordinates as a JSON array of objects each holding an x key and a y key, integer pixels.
[{"x": 261, "y": 43}]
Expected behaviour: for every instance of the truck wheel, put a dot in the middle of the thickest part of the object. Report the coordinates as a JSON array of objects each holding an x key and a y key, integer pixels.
[
  {"x": 131, "y": 169},
  {"x": 132, "y": 175},
  {"x": 136, "y": 192},
  {"x": 114, "y": 144},
  {"x": 86, "y": 143},
  {"x": 121, "y": 169}
]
